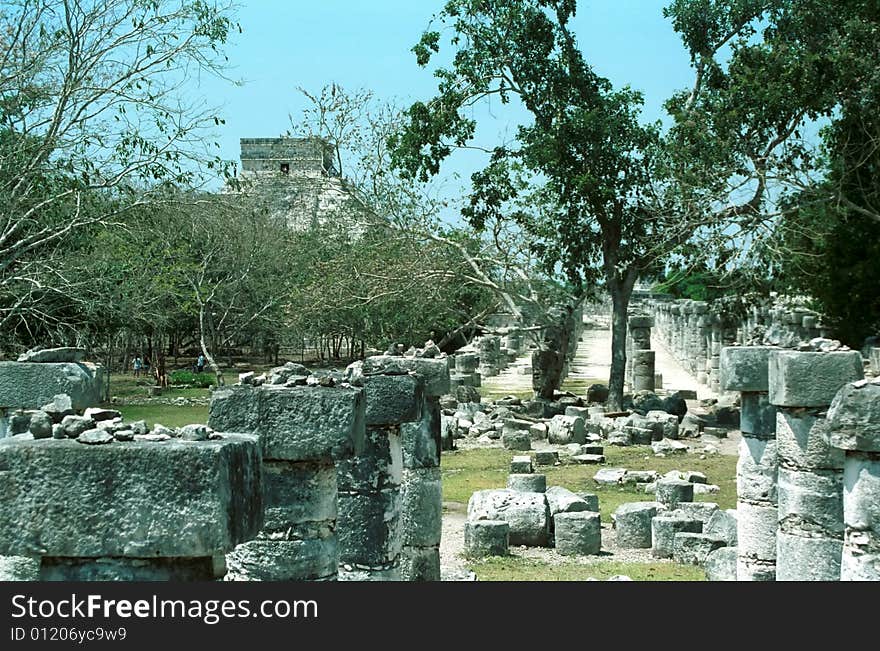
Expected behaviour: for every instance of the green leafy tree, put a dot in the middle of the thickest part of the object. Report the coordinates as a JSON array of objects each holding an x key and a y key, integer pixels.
[
  {"x": 91, "y": 103},
  {"x": 616, "y": 197}
]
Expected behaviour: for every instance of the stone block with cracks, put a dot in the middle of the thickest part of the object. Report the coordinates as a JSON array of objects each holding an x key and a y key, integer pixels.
[
  {"x": 745, "y": 368},
  {"x": 300, "y": 423},
  {"x": 527, "y": 514},
  {"x": 28, "y": 385},
  {"x": 811, "y": 379},
  {"x": 141, "y": 500}
]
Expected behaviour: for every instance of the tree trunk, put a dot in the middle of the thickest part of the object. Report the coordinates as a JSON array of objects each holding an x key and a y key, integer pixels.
[
  {"x": 203, "y": 345},
  {"x": 109, "y": 369},
  {"x": 621, "y": 291}
]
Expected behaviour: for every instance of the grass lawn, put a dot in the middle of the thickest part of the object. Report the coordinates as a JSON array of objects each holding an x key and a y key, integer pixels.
[
  {"x": 466, "y": 471},
  {"x": 517, "y": 568},
  {"x": 128, "y": 387},
  {"x": 167, "y": 415}
]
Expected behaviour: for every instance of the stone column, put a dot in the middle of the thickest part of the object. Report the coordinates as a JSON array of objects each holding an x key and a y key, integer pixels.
[
  {"x": 810, "y": 532},
  {"x": 854, "y": 428},
  {"x": 129, "y": 511},
  {"x": 640, "y": 359},
  {"x": 304, "y": 431},
  {"x": 715, "y": 345},
  {"x": 421, "y": 491},
  {"x": 370, "y": 527},
  {"x": 745, "y": 369}
]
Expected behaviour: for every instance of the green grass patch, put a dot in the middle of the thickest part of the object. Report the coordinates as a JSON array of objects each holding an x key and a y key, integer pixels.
[
  {"x": 492, "y": 393},
  {"x": 466, "y": 471},
  {"x": 517, "y": 568},
  {"x": 578, "y": 386},
  {"x": 128, "y": 388},
  {"x": 197, "y": 380},
  {"x": 168, "y": 415}
]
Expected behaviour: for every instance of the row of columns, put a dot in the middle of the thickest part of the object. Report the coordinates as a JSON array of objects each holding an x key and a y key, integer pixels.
[{"x": 792, "y": 481}]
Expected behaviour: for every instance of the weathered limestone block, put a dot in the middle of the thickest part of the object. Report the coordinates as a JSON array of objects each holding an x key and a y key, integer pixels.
[
  {"x": 663, "y": 530},
  {"x": 546, "y": 457},
  {"x": 136, "y": 499},
  {"x": 643, "y": 370},
  {"x": 538, "y": 431},
  {"x": 811, "y": 379},
  {"x": 671, "y": 492},
  {"x": 527, "y": 514},
  {"x": 294, "y": 493},
  {"x": 757, "y": 415},
  {"x": 466, "y": 362},
  {"x": 377, "y": 466},
  {"x": 641, "y": 321},
  {"x": 751, "y": 569},
  {"x": 28, "y": 385},
  {"x": 621, "y": 437},
  {"x": 19, "y": 568},
  {"x": 421, "y": 441},
  {"x": 854, "y": 417},
  {"x": 521, "y": 465},
  {"x": 756, "y": 530},
  {"x": 694, "y": 548},
  {"x": 562, "y": 500},
  {"x": 393, "y": 399},
  {"x": 529, "y": 483},
  {"x": 54, "y": 355},
  {"x": 566, "y": 429},
  {"x": 745, "y": 368},
  {"x": 420, "y": 564},
  {"x": 632, "y": 522},
  {"x": 723, "y": 525},
  {"x": 369, "y": 529},
  {"x": 800, "y": 441},
  {"x": 668, "y": 423},
  {"x": 577, "y": 533},
  {"x": 756, "y": 470},
  {"x": 299, "y": 423},
  {"x": 421, "y": 507},
  {"x": 854, "y": 426},
  {"x": 807, "y": 558},
  {"x": 434, "y": 372},
  {"x": 516, "y": 440},
  {"x": 811, "y": 501},
  {"x": 314, "y": 558},
  {"x": 720, "y": 564},
  {"x": 484, "y": 538},
  {"x": 861, "y": 502}
]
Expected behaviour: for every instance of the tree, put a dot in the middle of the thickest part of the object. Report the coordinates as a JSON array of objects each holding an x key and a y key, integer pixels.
[
  {"x": 600, "y": 212},
  {"x": 90, "y": 104},
  {"x": 832, "y": 247},
  {"x": 618, "y": 198}
]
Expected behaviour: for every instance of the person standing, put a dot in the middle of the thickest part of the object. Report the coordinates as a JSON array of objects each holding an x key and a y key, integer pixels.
[
  {"x": 137, "y": 365},
  {"x": 200, "y": 363}
]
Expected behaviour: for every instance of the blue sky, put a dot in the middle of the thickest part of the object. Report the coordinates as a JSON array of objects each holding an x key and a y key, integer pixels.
[{"x": 366, "y": 44}]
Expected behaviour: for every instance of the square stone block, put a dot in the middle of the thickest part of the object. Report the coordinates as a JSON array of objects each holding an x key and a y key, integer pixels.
[
  {"x": 300, "y": 423},
  {"x": 134, "y": 499},
  {"x": 811, "y": 379},
  {"x": 745, "y": 368}
]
